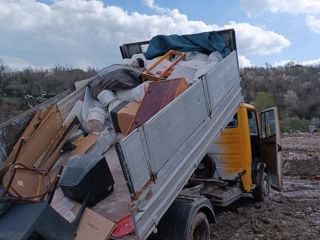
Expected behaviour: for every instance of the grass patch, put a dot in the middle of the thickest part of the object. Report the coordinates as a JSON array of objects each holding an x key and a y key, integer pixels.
[{"x": 294, "y": 124}]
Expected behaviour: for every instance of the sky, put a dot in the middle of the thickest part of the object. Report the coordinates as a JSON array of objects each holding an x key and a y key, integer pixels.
[{"x": 83, "y": 33}]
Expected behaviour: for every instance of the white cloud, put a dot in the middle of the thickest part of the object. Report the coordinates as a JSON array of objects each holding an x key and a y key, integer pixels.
[
  {"x": 255, "y": 40},
  {"x": 80, "y": 32},
  {"x": 314, "y": 62},
  {"x": 244, "y": 62},
  {"x": 313, "y": 23},
  {"x": 255, "y": 7}
]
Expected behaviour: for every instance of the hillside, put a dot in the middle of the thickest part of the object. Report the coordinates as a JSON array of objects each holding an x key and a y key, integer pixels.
[
  {"x": 295, "y": 89},
  {"x": 21, "y": 90}
]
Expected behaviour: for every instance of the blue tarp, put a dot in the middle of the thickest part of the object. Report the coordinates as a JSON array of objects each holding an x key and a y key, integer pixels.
[{"x": 206, "y": 42}]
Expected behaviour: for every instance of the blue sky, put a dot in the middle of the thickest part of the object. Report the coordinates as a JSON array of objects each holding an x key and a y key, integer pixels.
[{"x": 82, "y": 33}]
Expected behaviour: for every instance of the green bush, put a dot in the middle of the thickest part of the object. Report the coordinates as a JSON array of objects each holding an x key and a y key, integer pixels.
[
  {"x": 294, "y": 124},
  {"x": 264, "y": 100}
]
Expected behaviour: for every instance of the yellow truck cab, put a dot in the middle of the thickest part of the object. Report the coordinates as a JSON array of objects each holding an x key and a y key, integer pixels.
[{"x": 250, "y": 147}]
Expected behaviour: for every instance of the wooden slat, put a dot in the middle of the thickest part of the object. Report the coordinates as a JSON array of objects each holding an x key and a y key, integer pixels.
[
  {"x": 41, "y": 139},
  {"x": 55, "y": 153}
]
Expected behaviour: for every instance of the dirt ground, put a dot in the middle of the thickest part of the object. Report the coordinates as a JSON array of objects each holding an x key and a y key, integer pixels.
[{"x": 293, "y": 213}]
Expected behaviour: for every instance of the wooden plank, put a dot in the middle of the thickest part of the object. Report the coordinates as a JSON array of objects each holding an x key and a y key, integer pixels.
[
  {"x": 63, "y": 137},
  {"x": 49, "y": 150},
  {"x": 81, "y": 84},
  {"x": 84, "y": 144},
  {"x": 146, "y": 74},
  {"x": 40, "y": 140},
  {"x": 25, "y": 136},
  {"x": 82, "y": 147}
]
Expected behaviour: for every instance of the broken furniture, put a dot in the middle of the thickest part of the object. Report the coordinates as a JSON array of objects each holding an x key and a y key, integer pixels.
[
  {"x": 149, "y": 74},
  {"x": 37, "y": 221},
  {"x": 87, "y": 179},
  {"x": 41, "y": 143},
  {"x": 26, "y": 184}
]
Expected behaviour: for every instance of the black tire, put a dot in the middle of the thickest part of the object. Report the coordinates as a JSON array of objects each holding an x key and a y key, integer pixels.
[
  {"x": 200, "y": 229},
  {"x": 262, "y": 192}
]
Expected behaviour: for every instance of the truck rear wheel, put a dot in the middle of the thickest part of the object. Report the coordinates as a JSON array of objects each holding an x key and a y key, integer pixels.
[
  {"x": 200, "y": 229},
  {"x": 262, "y": 192}
]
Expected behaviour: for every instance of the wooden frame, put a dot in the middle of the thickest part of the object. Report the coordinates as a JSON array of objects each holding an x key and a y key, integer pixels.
[{"x": 146, "y": 74}]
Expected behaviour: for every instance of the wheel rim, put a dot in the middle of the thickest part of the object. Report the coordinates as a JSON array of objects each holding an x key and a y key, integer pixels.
[
  {"x": 200, "y": 232},
  {"x": 266, "y": 189}
]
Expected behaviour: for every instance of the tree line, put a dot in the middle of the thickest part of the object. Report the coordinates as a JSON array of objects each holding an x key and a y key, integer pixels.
[
  {"x": 295, "y": 89},
  {"x": 22, "y": 89}
]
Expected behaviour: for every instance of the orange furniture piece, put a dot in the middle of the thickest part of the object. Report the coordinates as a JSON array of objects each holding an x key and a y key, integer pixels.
[{"x": 147, "y": 75}]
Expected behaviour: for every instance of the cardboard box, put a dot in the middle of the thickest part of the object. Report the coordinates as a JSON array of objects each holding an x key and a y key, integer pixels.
[
  {"x": 126, "y": 115},
  {"x": 123, "y": 114},
  {"x": 93, "y": 226}
]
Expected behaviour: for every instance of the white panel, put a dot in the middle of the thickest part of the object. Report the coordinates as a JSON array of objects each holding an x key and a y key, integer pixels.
[
  {"x": 223, "y": 77},
  {"x": 174, "y": 174},
  {"x": 174, "y": 125},
  {"x": 135, "y": 161}
]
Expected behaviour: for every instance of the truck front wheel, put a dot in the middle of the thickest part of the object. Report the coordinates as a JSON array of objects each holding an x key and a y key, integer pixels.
[
  {"x": 200, "y": 229},
  {"x": 262, "y": 192}
]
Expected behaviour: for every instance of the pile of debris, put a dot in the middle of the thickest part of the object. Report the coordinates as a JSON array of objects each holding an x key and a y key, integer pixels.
[{"x": 59, "y": 166}]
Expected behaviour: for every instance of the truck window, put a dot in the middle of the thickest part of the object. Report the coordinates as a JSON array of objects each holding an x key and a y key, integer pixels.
[
  {"x": 268, "y": 124},
  {"x": 253, "y": 126},
  {"x": 234, "y": 122}
]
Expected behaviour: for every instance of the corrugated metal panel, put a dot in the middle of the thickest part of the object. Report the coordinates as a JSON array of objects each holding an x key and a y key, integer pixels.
[
  {"x": 173, "y": 126},
  {"x": 225, "y": 75},
  {"x": 136, "y": 162},
  {"x": 175, "y": 141}
]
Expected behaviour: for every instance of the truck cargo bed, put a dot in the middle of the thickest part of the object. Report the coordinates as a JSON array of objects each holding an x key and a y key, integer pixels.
[{"x": 159, "y": 157}]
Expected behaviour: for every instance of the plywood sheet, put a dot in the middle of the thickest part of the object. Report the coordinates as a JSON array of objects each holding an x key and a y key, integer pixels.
[{"x": 40, "y": 140}]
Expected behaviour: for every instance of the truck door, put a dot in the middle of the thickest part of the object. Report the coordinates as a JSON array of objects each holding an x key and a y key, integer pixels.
[{"x": 271, "y": 146}]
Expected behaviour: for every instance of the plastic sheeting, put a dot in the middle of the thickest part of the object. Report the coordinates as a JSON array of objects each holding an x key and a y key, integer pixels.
[
  {"x": 115, "y": 77},
  {"x": 133, "y": 95},
  {"x": 206, "y": 42}
]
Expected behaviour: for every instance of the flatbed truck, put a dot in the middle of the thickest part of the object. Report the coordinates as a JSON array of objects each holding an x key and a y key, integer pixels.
[{"x": 198, "y": 152}]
